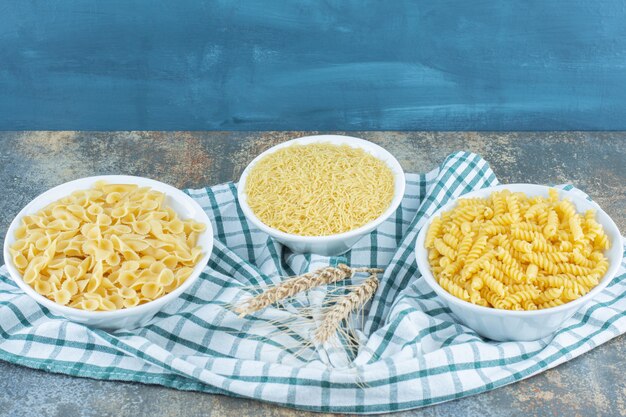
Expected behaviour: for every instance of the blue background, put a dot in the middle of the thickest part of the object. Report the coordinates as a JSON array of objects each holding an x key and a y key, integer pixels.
[{"x": 318, "y": 65}]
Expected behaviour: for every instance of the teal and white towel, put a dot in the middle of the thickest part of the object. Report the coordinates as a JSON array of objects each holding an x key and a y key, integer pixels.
[{"x": 412, "y": 350}]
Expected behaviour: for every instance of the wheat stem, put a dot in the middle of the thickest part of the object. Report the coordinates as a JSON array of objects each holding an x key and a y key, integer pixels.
[{"x": 344, "y": 307}]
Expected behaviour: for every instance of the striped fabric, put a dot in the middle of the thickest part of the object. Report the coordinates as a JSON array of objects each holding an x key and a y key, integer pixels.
[{"x": 412, "y": 350}]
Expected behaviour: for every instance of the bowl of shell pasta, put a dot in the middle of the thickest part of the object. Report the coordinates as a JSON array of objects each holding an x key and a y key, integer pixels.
[
  {"x": 514, "y": 262},
  {"x": 108, "y": 251}
]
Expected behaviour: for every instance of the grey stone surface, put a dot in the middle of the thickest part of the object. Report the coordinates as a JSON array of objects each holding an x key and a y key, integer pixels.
[{"x": 32, "y": 162}]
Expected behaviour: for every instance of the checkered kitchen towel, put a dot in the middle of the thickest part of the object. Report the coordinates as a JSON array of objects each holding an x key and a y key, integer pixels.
[{"x": 413, "y": 352}]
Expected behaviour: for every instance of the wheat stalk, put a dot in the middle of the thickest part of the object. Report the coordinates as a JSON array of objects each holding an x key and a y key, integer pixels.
[
  {"x": 295, "y": 285},
  {"x": 347, "y": 304}
]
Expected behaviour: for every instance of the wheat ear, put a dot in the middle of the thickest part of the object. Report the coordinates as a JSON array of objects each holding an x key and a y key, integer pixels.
[
  {"x": 347, "y": 304},
  {"x": 295, "y": 285}
]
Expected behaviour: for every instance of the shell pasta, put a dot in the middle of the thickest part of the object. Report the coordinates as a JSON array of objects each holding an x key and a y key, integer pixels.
[
  {"x": 110, "y": 247},
  {"x": 512, "y": 252}
]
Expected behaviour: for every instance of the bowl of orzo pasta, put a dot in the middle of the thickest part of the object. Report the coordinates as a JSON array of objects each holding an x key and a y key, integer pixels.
[
  {"x": 321, "y": 194},
  {"x": 514, "y": 262}
]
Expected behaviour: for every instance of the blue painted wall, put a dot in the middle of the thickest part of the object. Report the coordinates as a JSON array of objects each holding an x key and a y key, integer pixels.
[{"x": 335, "y": 64}]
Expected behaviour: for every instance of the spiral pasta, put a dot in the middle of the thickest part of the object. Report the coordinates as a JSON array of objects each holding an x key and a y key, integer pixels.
[
  {"x": 110, "y": 247},
  {"x": 509, "y": 251}
]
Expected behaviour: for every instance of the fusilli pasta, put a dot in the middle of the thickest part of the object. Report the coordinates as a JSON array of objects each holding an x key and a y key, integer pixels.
[{"x": 509, "y": 251}]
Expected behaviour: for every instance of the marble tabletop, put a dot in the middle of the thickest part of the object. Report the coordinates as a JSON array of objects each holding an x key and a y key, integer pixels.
[{"x": 32, "y": 162}]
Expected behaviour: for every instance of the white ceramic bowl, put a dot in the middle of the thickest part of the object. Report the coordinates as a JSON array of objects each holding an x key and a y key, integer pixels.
[
  {"x": 332, "y": 244},
  {"x": 505, "y": 325},
  {"x": 128, "y": 318}
]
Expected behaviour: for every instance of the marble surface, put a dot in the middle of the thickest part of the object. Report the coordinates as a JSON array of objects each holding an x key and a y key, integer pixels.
[{"x": 32, "y": 162}]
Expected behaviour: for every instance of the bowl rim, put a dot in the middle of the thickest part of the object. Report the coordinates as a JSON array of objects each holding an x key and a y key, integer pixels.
[
  {"x": 54, "y": 307},
  {"x": 367, "y": 146},
  {"x": 424, "y": 265}
]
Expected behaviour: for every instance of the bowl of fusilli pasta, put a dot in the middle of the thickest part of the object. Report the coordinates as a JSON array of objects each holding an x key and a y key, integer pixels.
[
  {"x": 514, "y": 262},
  {"x": 108, "y": 251}
]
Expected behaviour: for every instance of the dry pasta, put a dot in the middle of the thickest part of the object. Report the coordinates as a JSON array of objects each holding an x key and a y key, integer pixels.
[
  {"x": 512, "y": 252},
  {"x": 319, "y": 189},
  {"x": 110, "y": 247}
]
